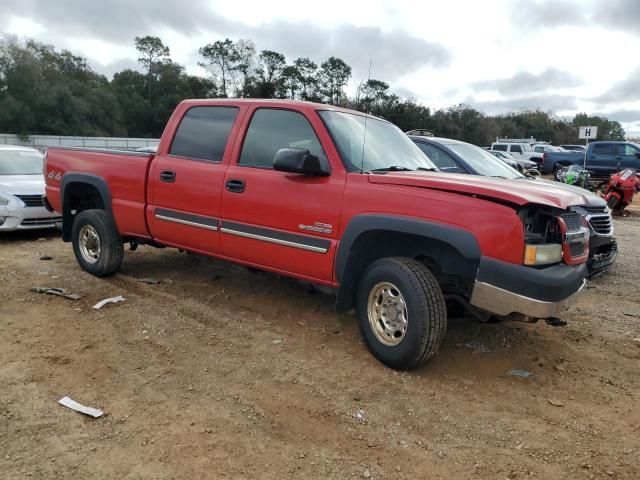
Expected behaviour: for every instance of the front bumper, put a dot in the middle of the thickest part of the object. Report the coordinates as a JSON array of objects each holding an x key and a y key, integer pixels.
[
  {"x": 26, "y": 218},
  {"x": 503, "y": 288}
]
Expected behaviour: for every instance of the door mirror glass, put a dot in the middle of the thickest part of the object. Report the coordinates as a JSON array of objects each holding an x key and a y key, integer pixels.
[{"x": 299, "y": 160}]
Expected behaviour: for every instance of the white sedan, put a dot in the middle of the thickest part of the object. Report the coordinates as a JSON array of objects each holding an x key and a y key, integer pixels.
[{"x": 21, "y": 190}]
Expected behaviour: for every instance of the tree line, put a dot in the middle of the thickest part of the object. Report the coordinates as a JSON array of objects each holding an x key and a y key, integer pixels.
[{"x": 46, "y": 91}]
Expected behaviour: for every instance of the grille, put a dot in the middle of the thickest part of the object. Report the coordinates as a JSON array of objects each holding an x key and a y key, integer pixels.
[
  {"x": 572, "y": 221},
  {"x": 601, "y": 224},
  {"x": 594, "y": 209},
  {"x": 31, "y": 200},
  {"x": 576, "y": 249},
  {"x": 40, "y": 221}
]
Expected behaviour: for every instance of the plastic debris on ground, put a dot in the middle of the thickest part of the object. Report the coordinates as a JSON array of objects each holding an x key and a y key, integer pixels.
[
  {"x": 73, "y": 405},
  {"x": 150, "y": 281},
  {"x": 59, "y": 292},
  {"x": 102, "y": 303},
  {"x": 514, "y": 372}
]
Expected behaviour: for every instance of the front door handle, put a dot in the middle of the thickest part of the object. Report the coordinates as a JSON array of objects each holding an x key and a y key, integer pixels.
[
  {"x": 168, "y": 176},
  {"x": 235, "y": 186}
]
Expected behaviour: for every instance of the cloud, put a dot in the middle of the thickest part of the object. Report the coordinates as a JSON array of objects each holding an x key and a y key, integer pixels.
[
  {"x": 543, "y": 102},
  {"x": 116, "y": 66},
  {"x": 392, "y": 53},
  {"x": 116, "y": 21},
  {"x": 626, "y": 90},
  {"x": 621, "y": 15},
  {"x": 623, "y": 116},
  {"x": 527, "y": 83}
]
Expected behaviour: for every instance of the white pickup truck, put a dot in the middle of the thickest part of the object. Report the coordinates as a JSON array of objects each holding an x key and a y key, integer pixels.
[{"x": 519, "y": 150}]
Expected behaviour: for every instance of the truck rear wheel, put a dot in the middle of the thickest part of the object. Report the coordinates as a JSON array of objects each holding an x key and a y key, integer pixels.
[
  {"x": 402, "y": 312},
  {"x": 96, "y": 243}
]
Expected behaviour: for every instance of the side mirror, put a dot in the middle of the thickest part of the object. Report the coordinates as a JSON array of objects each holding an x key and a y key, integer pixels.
[{"x": 299, "y": 160}]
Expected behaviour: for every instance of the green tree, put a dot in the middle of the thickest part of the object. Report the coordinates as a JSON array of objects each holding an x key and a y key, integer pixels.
[
  {"x": 334, "y": 75},
  {"x": 269, "y": 73},
  {"x": 308, "y": 72},
  {"x": 152, "y": 51},
  {"x": 221, "y": 58},
  {"x": 245, "y": 66},
  {"x": 291, "y": 82}
]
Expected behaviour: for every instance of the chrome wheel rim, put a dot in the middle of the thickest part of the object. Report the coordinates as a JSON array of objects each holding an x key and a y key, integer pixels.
[
  {"x": 89, "y": 244},
  {"x": 387, "y": 312}
]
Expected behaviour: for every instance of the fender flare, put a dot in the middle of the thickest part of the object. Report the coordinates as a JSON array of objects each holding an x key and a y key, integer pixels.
[
  {"x": 99, "y": 183},
  {"x": 463, "y": 241}
]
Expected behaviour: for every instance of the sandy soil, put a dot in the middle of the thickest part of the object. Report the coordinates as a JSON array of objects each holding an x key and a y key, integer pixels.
[{"x": 218, "y": 372}]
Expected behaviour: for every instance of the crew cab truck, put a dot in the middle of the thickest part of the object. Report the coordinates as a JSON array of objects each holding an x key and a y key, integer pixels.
[
  {"x": 603, "y": 158},
  {"x": 335, "y": 198}
]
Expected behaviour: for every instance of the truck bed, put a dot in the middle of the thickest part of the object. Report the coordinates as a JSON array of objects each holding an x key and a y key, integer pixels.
[{"x": 125, "y": 173}]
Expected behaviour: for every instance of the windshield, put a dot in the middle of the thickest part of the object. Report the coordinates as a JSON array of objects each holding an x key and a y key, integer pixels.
[
  {"x": 384, "y": 145},
  {"x": 20, "y": 162},
  {"x": 483, "y": 162}
]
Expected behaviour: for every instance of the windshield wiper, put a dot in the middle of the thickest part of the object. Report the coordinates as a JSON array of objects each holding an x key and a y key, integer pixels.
[
  {"x": 393, "y": 168},
  {"x": 428, "y": 169}
]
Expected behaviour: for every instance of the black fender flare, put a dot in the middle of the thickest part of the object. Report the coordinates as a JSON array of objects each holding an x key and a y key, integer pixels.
[
  {"x": 462, "y": 241},
  {"x": 99, "y": 183}
]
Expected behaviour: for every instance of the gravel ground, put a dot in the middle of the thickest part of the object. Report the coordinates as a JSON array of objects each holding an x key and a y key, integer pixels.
[{"x": 217, "y": 372}]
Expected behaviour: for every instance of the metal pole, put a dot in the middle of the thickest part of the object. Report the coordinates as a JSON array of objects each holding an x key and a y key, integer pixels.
[{"x": 584, "y": 166}]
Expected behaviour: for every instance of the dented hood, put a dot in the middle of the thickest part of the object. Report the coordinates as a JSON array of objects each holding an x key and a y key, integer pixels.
[{"x": 518, "y": 192}]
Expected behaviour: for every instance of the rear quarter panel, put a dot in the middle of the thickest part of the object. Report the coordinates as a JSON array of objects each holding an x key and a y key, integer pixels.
[{"x": 125, "y": 174}]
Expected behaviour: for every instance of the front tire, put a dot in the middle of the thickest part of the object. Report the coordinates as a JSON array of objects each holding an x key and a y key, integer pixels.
[
  {"x": 97, "y": 244},
  {"x": 402, "y": 312}
]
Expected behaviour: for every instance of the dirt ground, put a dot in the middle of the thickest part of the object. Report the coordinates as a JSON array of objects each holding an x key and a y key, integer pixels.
[{"x": 218, "y": 372}]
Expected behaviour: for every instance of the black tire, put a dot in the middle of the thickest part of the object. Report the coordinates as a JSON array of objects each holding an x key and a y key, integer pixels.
[
  {"x": 612, "y": 202},
  {"x": 556, "y": 171},
  {"x": 111, "y": 247},
  {"x": 426, "y": 312}
]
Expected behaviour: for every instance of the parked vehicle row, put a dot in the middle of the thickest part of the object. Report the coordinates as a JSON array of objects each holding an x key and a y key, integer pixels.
[
  {"x": 335, "y": 198},
  {"x": 602, "y": 158}
]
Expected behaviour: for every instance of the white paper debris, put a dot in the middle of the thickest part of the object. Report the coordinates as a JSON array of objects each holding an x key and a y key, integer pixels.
[
  {"x": 73, "y": 405},
  {"x": 102, "y": 303}
]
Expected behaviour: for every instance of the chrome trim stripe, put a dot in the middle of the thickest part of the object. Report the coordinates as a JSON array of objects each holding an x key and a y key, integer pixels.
[
  {"x": 274, "y": 240},
  {"x": 186, "y": 222}
]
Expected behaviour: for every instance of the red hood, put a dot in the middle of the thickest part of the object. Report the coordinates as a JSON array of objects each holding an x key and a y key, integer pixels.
[{"x": 519, "y": 192}]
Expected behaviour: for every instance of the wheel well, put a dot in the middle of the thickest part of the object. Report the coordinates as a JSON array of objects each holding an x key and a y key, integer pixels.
[
  {"x": 78, "y": 197},
  {"x": 454, "y": 272}
]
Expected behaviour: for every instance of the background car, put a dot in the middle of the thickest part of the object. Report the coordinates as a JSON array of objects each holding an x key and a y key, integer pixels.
[
  {"x": 521, "y": 165},
  {"x": 540, "y": 148},
  {"x": 21, "y": 190},
  {"x": 577, "y": 148}
]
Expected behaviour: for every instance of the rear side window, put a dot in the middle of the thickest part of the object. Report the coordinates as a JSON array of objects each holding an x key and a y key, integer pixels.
[
  {"x": 270, "y": 130},
  {"x": 501, "y": 148},
  {"x": 516, "y": 148},
  {"x": 442, "y": 160},
  {"x": 538, "y": 149},
  {"x": 604, "y": 149},
  {"x": 203, "y": 133},
  {"x": 628, "y": 150}
]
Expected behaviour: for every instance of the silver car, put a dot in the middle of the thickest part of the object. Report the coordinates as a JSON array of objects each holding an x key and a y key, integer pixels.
[{"x": 21, "y": 190}]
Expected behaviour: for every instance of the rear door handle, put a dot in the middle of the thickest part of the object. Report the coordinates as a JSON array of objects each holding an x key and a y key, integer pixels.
[
  {"x": 168, "y": 176},
  {"x": 235, "y": 186}
]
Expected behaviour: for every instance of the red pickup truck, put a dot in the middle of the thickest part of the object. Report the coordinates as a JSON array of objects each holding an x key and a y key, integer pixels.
[{"x": 335, "y": 198}]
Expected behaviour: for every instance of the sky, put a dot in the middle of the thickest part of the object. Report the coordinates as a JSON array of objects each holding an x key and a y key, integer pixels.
[{"x": 499, "y": 56}]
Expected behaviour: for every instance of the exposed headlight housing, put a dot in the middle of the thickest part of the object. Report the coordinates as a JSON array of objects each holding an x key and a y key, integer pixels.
[{"x": 542, "y": 254}]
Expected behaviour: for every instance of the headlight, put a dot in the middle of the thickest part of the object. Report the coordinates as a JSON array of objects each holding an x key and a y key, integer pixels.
[
  {"x": 542, "y": 254},
  {"x": 4, "y": 200}
]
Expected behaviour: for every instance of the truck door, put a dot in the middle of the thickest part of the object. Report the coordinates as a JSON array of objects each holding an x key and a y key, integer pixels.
[
  {"x": 515, "y": 150},
  {"x": 185, "y": 181},
  {"x": 603, "y": 158},
  {"x": 283, "y": 221},
  {"x": 629, "y": 156}
]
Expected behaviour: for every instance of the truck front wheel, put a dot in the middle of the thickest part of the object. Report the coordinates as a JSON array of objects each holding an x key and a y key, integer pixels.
[
  {"x": 96, "y": 243},
  {"x": 402, "y": 312}
]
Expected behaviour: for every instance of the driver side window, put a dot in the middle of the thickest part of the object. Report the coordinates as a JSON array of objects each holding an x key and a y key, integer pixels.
[
  {"x": 440, "y": 158},
  {"x": 272, "y": 129}
]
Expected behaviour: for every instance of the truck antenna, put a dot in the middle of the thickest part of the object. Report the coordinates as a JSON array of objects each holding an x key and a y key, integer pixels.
[{"x": 364, "y": 136}]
